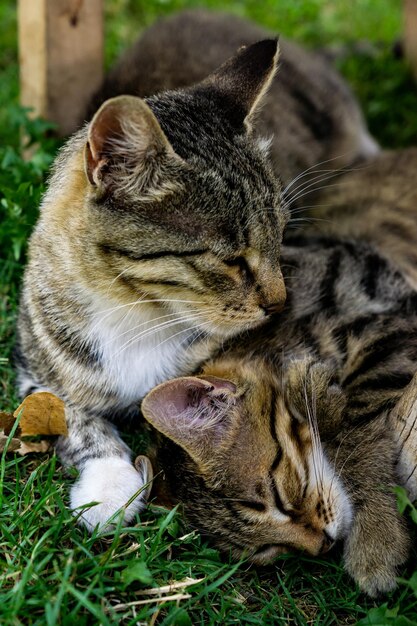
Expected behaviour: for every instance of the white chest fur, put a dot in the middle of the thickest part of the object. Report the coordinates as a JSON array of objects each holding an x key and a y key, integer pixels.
[{"x": 140, "y": 347}]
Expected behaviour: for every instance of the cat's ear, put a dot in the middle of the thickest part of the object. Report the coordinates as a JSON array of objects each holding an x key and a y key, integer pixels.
[
  {"x": 244, "y": 79},
  {"x": 194, "y": 412},
  {"x": 124, "y": 140}
]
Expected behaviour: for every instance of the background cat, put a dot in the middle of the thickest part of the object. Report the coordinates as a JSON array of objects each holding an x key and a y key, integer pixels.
[
  {"x": 290, "y": 445},
  {"x": 377, "y": 202},
  {"x": 309, "y": 113},
  {"x": 159, "y": 237}
]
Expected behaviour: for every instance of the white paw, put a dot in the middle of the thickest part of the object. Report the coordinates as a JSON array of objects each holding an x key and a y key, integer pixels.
[{"x": 111, "y": 482}]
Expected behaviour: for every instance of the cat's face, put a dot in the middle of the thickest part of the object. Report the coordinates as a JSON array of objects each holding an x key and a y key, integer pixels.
[
  {"x": 183, "y": 208},
  {"x": 249, "y": 470}
]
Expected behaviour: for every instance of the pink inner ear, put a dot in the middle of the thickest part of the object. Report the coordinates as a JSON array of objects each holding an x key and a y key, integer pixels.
[
  {"x": 105, "y": 127},
  {"x": 174, "y": 397}
]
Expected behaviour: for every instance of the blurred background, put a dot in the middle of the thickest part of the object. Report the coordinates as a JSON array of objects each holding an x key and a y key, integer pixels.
[{"x": 368, "y": 31}]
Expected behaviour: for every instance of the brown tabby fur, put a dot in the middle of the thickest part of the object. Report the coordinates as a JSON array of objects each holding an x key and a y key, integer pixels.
[
  {"x": 377, "y": 203},
  {"x": 336, "y": 360},
  {"x": 147, "y": 254}
]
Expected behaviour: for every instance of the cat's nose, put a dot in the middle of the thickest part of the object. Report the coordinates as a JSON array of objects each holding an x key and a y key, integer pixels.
[{"x": 273, "y": 293}]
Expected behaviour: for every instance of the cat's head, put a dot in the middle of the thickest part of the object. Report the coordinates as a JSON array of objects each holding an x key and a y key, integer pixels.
[
  {"x": 246, "y": 462},
  {"x": 181, "y": 205}
]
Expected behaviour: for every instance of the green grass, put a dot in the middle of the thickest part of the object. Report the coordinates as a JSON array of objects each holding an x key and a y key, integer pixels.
[{"x": 51, "y": 571}]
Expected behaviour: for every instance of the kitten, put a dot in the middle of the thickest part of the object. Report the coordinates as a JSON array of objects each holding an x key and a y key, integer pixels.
[
  {"x": 159, "y": 237},
  {"x": 376, "y": 203},
  {"x": 309, "y": 113},
  {"x": 284, "y": 442}
]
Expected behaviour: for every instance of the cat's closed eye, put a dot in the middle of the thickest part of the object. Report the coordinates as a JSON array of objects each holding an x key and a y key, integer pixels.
[
  {"x": 241, "y": 264},
  {"x": 268, "y": 487}
]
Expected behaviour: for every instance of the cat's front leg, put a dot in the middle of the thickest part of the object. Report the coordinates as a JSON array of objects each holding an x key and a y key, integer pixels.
[
  {"x": 107, "y": 476},
  {"x": 378, "y": 541},
  {"x": 377, "y": 545}
]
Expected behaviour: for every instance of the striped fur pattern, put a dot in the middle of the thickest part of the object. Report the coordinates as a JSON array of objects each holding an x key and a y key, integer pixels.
[
  {"x": 375, "y": 202},
  {"x": 159, "y": 237},
  {"x": 307, "y": 448},
  {"x": 310, "y": 113}
]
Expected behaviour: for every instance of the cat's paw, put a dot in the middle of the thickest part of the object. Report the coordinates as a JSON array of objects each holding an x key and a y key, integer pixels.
[
  {"x": 373, "y": 580},
  {"x": 111, "y": 482},
  {"x": 311, "y": 388},
  {"x": 374, "y": 562}
]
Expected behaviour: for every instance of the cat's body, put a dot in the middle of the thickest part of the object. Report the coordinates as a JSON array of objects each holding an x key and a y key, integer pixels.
[
  {"x": 377, "y": 203},
  {"x": 309, "y": 113},
  {"x": 338, "y": 357},
  {"x": 147, "y": 254},
  {"x": 154, "y": 245}
]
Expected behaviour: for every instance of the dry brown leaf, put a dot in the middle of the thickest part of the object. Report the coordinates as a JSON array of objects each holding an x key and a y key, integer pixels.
[
  {"x": 42, "y": 414},
  {"x": 14, "y": 444},
  {"x": 26, "y": 447},
  {"x": 7, "y": 421}
]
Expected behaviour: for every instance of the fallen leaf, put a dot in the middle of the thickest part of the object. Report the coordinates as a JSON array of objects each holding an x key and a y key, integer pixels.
[
  {"x": 42, "y": 414},
  {"x": 14, "y": 444},
  {"x": 7, "y": 421},
  {"x": 27, "y": 447}
]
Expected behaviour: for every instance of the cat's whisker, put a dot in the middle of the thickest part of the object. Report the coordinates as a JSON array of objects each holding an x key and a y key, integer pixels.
[
  {"x": 141, "y": 300},
  {"x": 197, "y": 337},
  {"x": 336, "y": 474},
  {"x": 313, "y": 455},
  {"x": 317, "y": 448},
  {"x": 309, "y": 220},
  {"x": 301, "y": 209},
  {"x": 168, "y": 324},
  {"x": 125, "y": 317},
  {"x": 189, "y": 329},
  {"x": 151, "y": 331},
  {"x": 327, "y": 174},
  {"x": 151, "y": 301},
  {"x": 306, "y": 192},
  {"x": 144, "y": 323},
  {"x": 310, "y": 183},
  {"x": 350, "y": 454},
  {"x": 314, "y": 167}
]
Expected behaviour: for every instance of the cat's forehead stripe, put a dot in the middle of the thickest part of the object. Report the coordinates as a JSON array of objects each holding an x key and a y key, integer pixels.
[{"x": 272, "y": 414}]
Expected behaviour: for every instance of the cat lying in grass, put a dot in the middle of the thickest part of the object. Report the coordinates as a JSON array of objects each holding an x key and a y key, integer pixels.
[
  {"x": 283, "y": 440},
  {"x": 159, "y": 237}
]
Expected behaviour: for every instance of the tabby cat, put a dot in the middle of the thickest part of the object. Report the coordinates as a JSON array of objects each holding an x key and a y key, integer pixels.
[
  {"x": 309, "y": 113},
  {"x": 377, "y": 203},
  {"x": 159, "y": 237},
  {"x": 283, "y": 440}
]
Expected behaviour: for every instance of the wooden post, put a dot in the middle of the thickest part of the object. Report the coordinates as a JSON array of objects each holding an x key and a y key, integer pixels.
[
  {"x": 61, "y": 58},
  {"x": 410, "y": 33}
]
